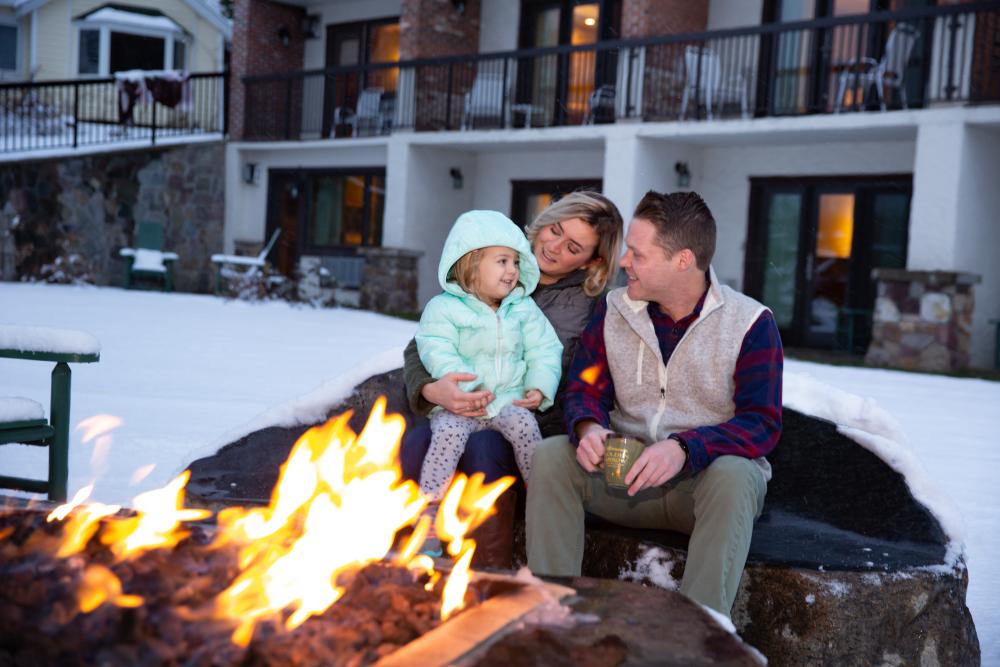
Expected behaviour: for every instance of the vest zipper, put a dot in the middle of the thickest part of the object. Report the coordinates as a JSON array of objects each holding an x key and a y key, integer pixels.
[{"x": 654, "y": 424}]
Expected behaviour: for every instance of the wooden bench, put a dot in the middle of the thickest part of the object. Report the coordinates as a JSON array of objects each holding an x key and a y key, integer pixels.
[{"x": 23, "y": 421}]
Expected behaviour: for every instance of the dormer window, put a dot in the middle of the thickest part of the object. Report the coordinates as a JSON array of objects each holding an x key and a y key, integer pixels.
[{"x": 113, "y": 38}]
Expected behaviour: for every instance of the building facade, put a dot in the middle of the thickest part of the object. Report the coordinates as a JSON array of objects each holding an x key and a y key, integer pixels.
[{"x": 830, "y": 138}]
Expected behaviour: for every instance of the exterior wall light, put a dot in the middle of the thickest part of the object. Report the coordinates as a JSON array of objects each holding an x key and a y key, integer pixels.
[
  {"x": 284, "y": 36},
  {"x": 683, "y": 174},
  {"x": 456, "y": 177},
  {"x": 250, "y": 172}
]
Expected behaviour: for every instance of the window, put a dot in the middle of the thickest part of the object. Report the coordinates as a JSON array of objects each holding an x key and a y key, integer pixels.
[
  {"x": 179, "y": 56},
  {"x": 346, "y": 211},
  {"x": 8, "y": 47},
  {"x": 113, "y": 39},
  {"x": 90, "y": 51},
  {"x": 136, "y": 52}
]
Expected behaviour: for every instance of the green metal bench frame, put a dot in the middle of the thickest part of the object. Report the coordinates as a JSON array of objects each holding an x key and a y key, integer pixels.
[{"x": 53, "y": 433}]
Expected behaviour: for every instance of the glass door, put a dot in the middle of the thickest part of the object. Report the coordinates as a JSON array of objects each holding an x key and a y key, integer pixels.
[
  {"x": 284, "y": 194},
  {"x": 811, "y": 249}
]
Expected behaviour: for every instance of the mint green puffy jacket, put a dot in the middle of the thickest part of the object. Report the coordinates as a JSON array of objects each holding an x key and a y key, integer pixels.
[{"x": 512, "y": 349}]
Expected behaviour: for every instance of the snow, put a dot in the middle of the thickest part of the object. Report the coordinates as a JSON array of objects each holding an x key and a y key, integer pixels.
[
  {"x": 189, "y": 373},
  {"x": 16, "y": 409},
  {"x": 46, "y": 339},
  {"x": 127, "y": 19}
]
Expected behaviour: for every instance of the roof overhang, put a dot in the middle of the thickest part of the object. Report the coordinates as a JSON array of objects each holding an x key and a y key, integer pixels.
[{"x": 206, "y": 10}]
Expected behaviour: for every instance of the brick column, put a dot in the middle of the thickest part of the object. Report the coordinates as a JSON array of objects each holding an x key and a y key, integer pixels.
[
  {"x": 258, "y": 49},
  {"x": 664, "y": 65},
  {"x": 430, "y": 28}
]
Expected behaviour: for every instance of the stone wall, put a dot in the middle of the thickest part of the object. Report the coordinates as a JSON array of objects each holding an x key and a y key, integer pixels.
[
  {"x": 922, "y": 320},
  {"x": 389, "y": 280},
  {"x": 89, "y": 206}
]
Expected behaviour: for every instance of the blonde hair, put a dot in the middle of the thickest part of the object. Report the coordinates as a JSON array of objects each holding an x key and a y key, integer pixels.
[
  {"x": 602, "y": 215},
  {"x": 466, "y": 269}
]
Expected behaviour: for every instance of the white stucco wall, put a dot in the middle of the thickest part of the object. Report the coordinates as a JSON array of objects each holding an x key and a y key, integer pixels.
[
  {"x": 422, "y": 204},
  {"x": 498, "y": 25},
  {"x": 723, "y": 179},
  {"x": 343, "y": 11},
  {"x": 936, "y": 182},
  {"x": 496, "y": 170},
  {"x": 246, "y": 204},
  {"x": 977, "y": 232}
]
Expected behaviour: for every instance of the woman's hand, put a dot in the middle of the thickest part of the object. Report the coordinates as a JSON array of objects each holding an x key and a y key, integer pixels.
[
  {"x": 446, "y": 393},
  {"x": 532, "y": 399}
]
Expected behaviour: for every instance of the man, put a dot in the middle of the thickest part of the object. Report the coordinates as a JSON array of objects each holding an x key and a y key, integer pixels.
[{"x": 693, "y": 368}]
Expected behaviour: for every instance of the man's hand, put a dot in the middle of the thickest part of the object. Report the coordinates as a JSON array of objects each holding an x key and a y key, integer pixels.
[
  {"x": 446, "y": 393},
  {"x": 590, "y": 451},
  {"x": 657, "y": 464},
  {"x": 532, "y": 399}
]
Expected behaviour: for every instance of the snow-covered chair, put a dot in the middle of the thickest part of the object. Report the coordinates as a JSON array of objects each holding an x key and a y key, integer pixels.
[
  {"x": 239, "y": 267},
  {"x": 488, "y": 100},
  {"x": 23, "y": 421},
  {"x": 147, "y": 260}
]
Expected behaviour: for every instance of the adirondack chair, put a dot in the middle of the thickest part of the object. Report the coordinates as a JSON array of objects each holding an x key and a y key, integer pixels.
[
  {"x": 23, "y": 421},
  {"x": 147, "y": 260},
  {"x": 708, "y": 84},
  {"x": 239, "y": 267}
]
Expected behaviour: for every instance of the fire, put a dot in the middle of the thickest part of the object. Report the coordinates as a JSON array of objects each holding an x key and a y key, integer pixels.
[
  {"x": 100, "y": 585},
  {"x": 338, "y": 505},
  {"x": 156, "y": 523},
  {"x": 589, "y": 374}
]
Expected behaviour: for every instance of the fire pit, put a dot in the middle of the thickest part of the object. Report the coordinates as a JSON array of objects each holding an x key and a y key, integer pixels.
[{"x": 326, "y": 574}]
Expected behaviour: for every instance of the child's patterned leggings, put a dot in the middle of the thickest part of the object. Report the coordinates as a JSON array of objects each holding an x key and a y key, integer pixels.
[{"x": 450, "y": 432}]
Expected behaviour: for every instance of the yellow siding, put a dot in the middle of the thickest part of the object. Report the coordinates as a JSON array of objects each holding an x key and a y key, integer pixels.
[{"x": 58, "y": 40}]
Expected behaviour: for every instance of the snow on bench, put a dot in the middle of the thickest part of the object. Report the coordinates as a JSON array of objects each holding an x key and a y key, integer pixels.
[{"x": 46, "y": 340}]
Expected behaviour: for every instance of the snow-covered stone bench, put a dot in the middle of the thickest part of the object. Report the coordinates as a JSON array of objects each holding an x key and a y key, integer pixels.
[
  {"x": 856, "y": 560},
  {"x": 22, "y": 420}
]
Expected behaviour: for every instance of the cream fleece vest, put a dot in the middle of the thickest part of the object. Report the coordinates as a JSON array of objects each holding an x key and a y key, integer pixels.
[{"x": 695, "y": 388}]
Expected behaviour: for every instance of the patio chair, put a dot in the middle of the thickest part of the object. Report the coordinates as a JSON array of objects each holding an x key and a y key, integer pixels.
[
  {"x": 147, "y": 261},
  {"x": 239, "y": 267},
  {"x": 703, "y": 79},
  {"x": 488, "y": 100},
  {"x": 368, "y": 119},
  {"x": 23, "y": 420},
  {"x": 601, "y": 105},
  {"x": 889, "y": 70}
]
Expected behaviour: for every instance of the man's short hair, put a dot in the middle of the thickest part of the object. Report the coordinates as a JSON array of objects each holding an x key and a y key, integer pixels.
[{"x": 682, "y": 220}]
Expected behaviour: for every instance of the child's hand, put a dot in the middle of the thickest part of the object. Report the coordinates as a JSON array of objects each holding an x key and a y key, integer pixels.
[{"x": 532, "y": 399}]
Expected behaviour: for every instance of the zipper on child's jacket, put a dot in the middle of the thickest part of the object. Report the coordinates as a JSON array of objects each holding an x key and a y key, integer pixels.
[{"x": 497, "y": 362}]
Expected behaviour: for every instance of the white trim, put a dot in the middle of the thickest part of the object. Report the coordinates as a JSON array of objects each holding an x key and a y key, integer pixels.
[
  {"x": 206, "y": 12},
  {"x": 105, "y": 28}
]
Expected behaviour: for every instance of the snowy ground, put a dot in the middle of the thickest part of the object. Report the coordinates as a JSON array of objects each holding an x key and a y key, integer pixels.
[{"x": 189, "y": 373}]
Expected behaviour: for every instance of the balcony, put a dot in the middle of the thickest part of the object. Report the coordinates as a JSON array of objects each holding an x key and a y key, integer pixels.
[
  {"x": 128, "y": 110},
  {"x": 916, "y": 58}
]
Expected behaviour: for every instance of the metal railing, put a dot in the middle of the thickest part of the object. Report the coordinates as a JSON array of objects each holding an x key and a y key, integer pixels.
[
  {"x": 88, "y": 112},
  {"x": 912, "y": 58}
]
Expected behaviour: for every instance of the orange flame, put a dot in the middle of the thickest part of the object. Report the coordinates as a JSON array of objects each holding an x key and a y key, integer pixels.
[
  {"x": 589, "y": 374},
  {"x": 156, "y": 524},
  {"x": 337, "y": 506},
  {"x": 100, "y": 585}
]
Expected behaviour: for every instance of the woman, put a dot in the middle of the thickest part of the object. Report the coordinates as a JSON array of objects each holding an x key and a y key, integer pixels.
[{"x": 576, "y": 242}]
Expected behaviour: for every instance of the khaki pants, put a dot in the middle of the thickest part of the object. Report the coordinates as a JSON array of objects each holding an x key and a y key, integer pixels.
[{"x": 716, "y": 507}]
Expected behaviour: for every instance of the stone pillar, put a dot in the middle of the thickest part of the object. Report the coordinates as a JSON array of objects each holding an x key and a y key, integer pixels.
[
  {"x": 922, "y": 319},
  {"x": 258, "y": 29},
  {"x": 389, "y": 280}
]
